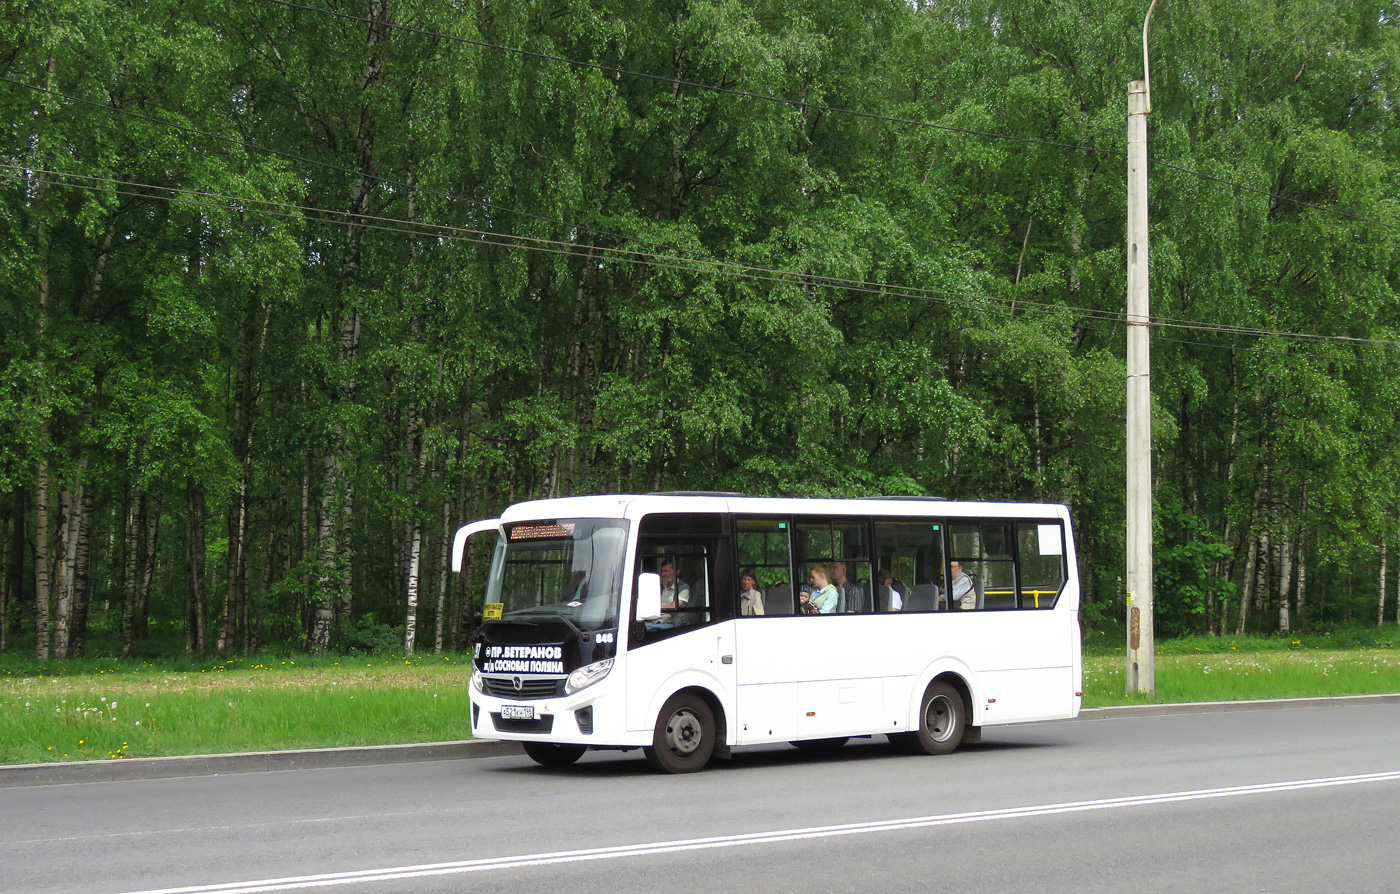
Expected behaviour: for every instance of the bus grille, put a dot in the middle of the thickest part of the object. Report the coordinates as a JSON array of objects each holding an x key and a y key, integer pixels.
[
  {"x": 530, "y": 687},
  {"x": 542, "y": 725}
]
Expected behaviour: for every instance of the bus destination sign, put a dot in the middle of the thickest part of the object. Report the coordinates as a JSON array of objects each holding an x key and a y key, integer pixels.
[
  {"x": 541, "y": 531},
  {"x": 523, "y": 660}
]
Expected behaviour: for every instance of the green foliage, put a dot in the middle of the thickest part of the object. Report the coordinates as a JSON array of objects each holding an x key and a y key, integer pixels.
[
  {"x": 369, "y": 637},
  {"x": 336, "y": 278},
  {"x": 1184, "y": 562}
]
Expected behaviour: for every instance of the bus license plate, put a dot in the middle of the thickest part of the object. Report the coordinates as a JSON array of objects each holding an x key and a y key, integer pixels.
[{"x": 517, "y": 712}]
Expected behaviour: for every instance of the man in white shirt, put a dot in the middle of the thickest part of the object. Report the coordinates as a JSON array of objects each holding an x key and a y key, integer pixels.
[{"x": 675, "y": 592}]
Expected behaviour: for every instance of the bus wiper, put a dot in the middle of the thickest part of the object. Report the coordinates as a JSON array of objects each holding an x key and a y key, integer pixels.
[{"x": 541, "y": 612}]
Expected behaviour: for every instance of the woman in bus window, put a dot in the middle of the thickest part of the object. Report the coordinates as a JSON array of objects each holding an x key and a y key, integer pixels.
[
  {"x": 750, "y": 597},
  {"x": 824, "y": 596}
]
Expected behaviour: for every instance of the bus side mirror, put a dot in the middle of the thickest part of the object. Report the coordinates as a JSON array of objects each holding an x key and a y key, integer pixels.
[
  {"x": 649, "y": 597},
  {"x": 459, "y": 542}
]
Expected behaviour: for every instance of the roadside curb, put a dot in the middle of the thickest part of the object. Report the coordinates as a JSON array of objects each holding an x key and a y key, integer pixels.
[
  {"x": 128, "y": 769},
  {"x": 1326, "y": 701},
  {"x": 138, "y": 768}
]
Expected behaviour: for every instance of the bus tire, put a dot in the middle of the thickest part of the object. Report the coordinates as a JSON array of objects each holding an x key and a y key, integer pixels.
[
  {"x": 684, "y": 738},
  {"x": 942, "y": 720},
  {"x": 550, "y": 754}
]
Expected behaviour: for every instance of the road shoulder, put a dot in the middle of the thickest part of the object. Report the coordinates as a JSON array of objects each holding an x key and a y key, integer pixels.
[{"x": 127, "y": 769}]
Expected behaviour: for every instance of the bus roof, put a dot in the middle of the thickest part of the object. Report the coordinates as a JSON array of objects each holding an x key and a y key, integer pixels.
[{"x": 637, "y": 505}]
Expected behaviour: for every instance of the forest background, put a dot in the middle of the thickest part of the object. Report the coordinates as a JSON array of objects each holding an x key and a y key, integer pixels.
[{"x": 293, "y": 289}]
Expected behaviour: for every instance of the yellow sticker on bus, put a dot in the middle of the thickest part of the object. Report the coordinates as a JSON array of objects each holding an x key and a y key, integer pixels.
[{"x": 491, "y": 611}]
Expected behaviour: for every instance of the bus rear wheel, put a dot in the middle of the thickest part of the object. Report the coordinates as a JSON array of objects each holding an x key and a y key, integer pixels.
[
  {"x": 684, "y": 738},
  {"x": 549, "y": 754},
  {"x": 942, "y": 720}
]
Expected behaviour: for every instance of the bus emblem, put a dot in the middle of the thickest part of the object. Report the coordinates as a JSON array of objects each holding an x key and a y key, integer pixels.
[{"x": 516, "y": 682}]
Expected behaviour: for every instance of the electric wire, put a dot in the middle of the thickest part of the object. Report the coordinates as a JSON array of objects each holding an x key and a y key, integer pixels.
[
  {"x": 598, "y": 254},
  {"x": 301, "y": 159}
]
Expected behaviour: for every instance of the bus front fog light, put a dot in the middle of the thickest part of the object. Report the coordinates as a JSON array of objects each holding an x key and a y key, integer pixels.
[{"x": 587, "y": 676}]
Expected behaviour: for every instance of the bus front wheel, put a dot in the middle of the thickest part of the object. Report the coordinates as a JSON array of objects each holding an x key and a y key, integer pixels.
[
  {"x": 685, "y": 735},
  {"x": 942, "y": 720},
  {"x": 548, "y": 754}
]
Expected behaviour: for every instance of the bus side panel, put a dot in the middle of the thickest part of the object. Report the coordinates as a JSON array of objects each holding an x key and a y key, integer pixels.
[
  {"x": 1026, "y": 662},
  {"x": 695, "y": 658},
  {"x": 1044, "y": 693},
  {"x": 846, "y": 707},
  {"x": 767, "y": 713},
  {"x": 814, "y": 677}
]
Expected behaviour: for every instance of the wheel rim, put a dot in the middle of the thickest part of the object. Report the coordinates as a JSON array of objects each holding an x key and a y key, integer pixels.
[
  {"x": 940, "y": 716},
  {"x": 683, "y": 733}
]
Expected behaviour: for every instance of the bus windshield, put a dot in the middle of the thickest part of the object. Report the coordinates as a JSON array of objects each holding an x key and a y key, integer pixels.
[{"x": 569, "y": 568}]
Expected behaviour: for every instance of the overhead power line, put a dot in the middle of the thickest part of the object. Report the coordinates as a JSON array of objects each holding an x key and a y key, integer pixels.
[
  {"x": 602, "y": 254},
  {"x": 330, "y": 166}
]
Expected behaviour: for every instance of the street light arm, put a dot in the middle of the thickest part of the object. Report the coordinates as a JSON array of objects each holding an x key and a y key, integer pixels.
[{"x": 1146, "y": 73}]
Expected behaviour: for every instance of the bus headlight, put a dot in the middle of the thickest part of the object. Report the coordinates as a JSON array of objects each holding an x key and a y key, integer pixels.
[
  {"x": 587, "y": 676},
  {"x": 476, "y": 683}
]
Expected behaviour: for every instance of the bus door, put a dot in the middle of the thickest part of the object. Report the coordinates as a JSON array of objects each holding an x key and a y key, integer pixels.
[{"x": 692, "y": 644}]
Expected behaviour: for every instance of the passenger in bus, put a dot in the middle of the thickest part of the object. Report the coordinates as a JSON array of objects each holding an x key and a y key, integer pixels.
[
  {"x": 750, "y": 596},
  {"x": 852, "y": 597},
  {"x": 963, "y": 591},
  {"x": 824, "y": 597},
  {"x": 894, "y": 591}
]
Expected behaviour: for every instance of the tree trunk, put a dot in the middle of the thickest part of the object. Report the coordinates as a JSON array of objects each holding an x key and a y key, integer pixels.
[
  {"x": 1227, "y": 475},
  {"x": 1261, "y": 572},
  {"x": 1285, "y": 577},
  {"x": 14, "y": 569},
  {"x": 413, "y": 535},
  {"x": 410, "y": 630},
  {"x": 1301, "y": 564},
  {"x": 135, "y": 523},
  {"x": 1247, "y": 585},
  {"x": 195, "y": 554},
  {"x": 82, "y": 577},
  {"x": 148, "y": 568},
  {"x": 331, "y": 576},
  {"x": 67, "y": 549},
  {"x": 304, "y": 556},
  {"x": 235, "y": 566},
  {"x": 42, "y": 581},
  {"x": 1380, "y": 589},
  {"x": 444, "y": 559}
]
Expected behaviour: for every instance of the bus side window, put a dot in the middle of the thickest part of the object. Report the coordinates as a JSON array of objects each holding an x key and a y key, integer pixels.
[
  {"x": 765, "y": 547},
  {"x": 1041, "y": 550},
  {"x": 984, "y": 551},
  {"x": 912, "y": 551}
]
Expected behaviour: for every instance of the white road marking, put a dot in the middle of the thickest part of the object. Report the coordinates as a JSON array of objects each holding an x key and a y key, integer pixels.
[{"x": 491, "y": 864}]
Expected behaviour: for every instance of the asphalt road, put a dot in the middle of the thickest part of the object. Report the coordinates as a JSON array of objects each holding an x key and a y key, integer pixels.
[{"x": 1288, "y": 798}]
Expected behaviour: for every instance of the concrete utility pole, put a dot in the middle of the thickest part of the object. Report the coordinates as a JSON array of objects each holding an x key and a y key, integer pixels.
[{"x": 1141, "y": 670}]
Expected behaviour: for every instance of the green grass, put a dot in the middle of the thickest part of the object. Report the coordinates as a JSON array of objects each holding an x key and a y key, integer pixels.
[
  {"x": 1345, "y": 661},
  {"x": 1239, "y": 676},
  {"x": 111, "y": 708},
  {"x": 116, "y": 709}
]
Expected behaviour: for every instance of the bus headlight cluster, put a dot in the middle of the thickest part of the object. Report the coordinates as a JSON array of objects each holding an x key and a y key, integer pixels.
[
  {"x": 587, "y": 676},
  {"x": 477, "y": 684}
]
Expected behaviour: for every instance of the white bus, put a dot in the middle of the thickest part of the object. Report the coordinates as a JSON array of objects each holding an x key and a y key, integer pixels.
[{"x": 616, "y": 622}]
